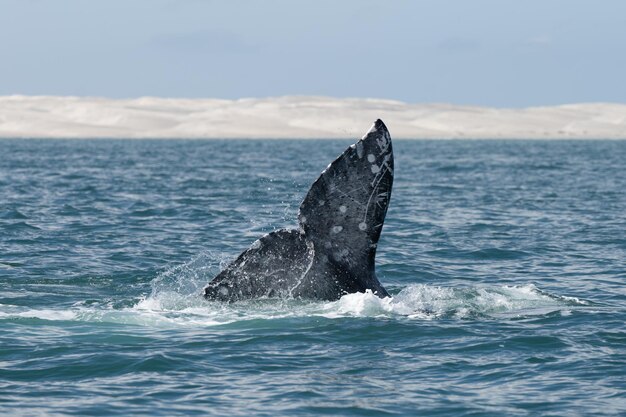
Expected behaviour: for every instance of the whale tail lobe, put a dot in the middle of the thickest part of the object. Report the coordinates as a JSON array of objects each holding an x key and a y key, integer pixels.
[{"x": 334, "y": 250}]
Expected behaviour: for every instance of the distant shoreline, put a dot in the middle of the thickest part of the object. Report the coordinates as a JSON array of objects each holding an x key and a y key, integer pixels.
[{"x": 297, "y": 117}]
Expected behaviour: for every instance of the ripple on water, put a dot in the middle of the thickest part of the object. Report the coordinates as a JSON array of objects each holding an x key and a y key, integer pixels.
[{"x": 505, "y": 261}]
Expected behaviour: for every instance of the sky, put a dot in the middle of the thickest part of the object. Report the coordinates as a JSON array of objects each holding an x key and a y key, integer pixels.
[{"x": 497, "y": 53}]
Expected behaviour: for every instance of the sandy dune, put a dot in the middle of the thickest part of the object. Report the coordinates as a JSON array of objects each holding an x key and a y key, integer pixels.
[{"x": 296, "y": 117}]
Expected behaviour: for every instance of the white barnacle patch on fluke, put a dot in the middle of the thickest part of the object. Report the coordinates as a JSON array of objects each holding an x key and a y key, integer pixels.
[
  {"x": 256, "y": 244},
  {"x": 343, "y": 209},
  {"x": 375, "y": 169},
  {"x": 371, "y": 157},
  {"x": 383, "y": 142},
  {"x": 337, "y": 229},
  {"x": 303, "y": 219},
  {"x": 362, "y": 226},
  {"x": 359, "y": 149}
]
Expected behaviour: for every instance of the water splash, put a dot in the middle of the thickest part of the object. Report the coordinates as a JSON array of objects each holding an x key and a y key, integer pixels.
[
  {"x": 188, "y": 279},
  {"x": 431, "y": 302},
  {"x": 182, "y": 306},
  {"x": 176, "y": 300}
]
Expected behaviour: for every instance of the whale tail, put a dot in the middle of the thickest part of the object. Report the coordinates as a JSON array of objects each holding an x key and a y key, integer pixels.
[{"x": 333, "y": 252}]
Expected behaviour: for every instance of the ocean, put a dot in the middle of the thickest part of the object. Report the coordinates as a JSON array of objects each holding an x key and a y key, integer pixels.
[{"x": 506, "y": 261}]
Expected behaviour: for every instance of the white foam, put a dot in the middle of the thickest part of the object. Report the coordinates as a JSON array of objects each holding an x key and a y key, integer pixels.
[
  {"x": 170, "y": 309},
  {"x": 7, "y": 311}
]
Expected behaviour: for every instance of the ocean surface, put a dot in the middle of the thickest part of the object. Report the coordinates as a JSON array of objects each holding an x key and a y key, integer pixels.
[{"x": 506, "y": 261}]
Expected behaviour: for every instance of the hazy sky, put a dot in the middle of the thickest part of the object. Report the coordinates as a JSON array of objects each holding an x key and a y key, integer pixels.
[{"x": 485, "y": 52}]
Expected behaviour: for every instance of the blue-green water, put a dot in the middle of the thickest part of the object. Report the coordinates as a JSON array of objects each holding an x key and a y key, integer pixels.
[{"x": 507, "y": 261}]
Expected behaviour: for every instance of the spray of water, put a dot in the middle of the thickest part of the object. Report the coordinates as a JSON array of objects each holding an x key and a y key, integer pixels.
[{"x": 175, "y": 300}]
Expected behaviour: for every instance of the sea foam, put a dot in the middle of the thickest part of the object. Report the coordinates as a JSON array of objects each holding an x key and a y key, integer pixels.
[{"x": 170, "y": 309}]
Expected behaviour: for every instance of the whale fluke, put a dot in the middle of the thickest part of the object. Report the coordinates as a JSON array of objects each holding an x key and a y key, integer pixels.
[{"x": 333, "y": 252}]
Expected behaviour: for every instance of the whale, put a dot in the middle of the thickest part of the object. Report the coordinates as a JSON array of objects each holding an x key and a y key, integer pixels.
[{"x": 333, "y": 250}]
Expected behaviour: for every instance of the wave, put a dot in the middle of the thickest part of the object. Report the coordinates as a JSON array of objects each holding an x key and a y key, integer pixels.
[{"x": 171, "y": 309}]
